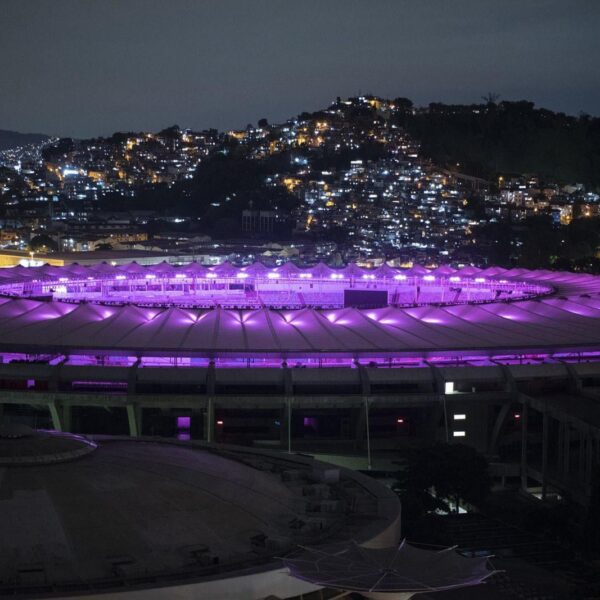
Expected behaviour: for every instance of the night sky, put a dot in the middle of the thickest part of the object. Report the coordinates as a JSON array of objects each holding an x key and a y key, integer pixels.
[{"x": 91, "y": 67}]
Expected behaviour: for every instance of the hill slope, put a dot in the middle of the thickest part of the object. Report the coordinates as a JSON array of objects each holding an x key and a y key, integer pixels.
[
  {"x": 12, "y": 139},
  {"x": 510, "y": 137}
]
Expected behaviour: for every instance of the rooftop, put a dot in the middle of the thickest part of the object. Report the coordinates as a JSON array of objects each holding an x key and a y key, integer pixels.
[
  {"x": 254, "y": 312},
  {"x": 138, "y": 512}
]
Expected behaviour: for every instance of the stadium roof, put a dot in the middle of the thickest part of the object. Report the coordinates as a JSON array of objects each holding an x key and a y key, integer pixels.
[{"x": 567, "y": 320}]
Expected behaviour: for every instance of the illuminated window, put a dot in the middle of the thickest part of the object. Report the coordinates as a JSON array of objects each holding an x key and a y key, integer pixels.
[
  {"x": 459, "y": 417},
  {"x": 449, "y": 387},
  {"x": 459, "y": 434}
]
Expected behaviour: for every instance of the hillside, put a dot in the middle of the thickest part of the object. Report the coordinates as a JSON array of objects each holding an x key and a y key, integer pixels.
[
  {"x": 509, "y": 137},
  {"x": 12, "y": 139}
]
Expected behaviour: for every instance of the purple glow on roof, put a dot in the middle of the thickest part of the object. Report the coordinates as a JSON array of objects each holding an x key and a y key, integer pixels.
[{"x": 184, "y": 311}]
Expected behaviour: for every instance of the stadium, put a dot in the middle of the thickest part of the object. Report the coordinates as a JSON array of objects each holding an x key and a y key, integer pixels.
[
  {"x": 195, "y": 315},
  {"x": 345, "y": 360}
]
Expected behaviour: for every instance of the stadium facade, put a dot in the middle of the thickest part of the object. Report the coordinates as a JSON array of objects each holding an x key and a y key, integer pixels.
[{"x": 505, "y": 360}]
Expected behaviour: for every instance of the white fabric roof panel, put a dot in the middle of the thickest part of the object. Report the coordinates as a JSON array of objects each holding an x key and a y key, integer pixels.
[{"x": 567, "y": 320}]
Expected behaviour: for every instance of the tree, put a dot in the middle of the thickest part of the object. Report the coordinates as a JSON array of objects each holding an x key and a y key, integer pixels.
[
  {"x": 103, "y": 247},
  {"x": 490, "y": 98},
  {"x": 540, "y": 242},
  {"x": 494, "y": 242},
  {"x": 42, "y": 243},
  {"x": 456, "y": 472},
  {"x": 173, "y": 132},
  {"x": 403, "y": 104},
  {"x": 509, "y": 137}
]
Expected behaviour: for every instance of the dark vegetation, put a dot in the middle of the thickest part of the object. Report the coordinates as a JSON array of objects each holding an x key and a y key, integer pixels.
[
  {"x": 12, "y": 139},
  {"x": 509, "y": 137},
  {"x": 223, "y": 186},
  {"x": 457, "y": 473},
  {"x": 538, "y": 243}
]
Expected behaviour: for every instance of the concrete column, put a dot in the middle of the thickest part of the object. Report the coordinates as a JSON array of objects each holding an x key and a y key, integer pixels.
[
  {"x": 132, "y": 377},
  {"x": 54, "y": 379},
  {"x": 209, "y": 420},
  {"x": 477, "y": 426},
  {"x": 360, "y": 426},
  {"x": 368, "y": 433},
  {"x": 286, "y": 410},
  {"x": 286, "y": 425},
  {"x": 560, "y": 447},
  {"x": 498, "y": 425},
  {"x": 209, "y": 413},
  {"x": 283, "y": 416},
  {"x": 61, "y": 416},
  {"x": 582, "y": 454},
  {"x": 435, "y": 415},
  {"x": 135, "y": 420},
  {"x": 567, "y": 449},
  {"x": 439, "y": 387},
  {"x": 545, "y": 432},
  {"x": 575, "y": 383},
  {"x": 446, "y": 419},
  {"x": 589, "y": 459},
  {"x": 524, "y": 419},
  {"x": 365, "y": 382},
  {"x": 67, "y": 412}
]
